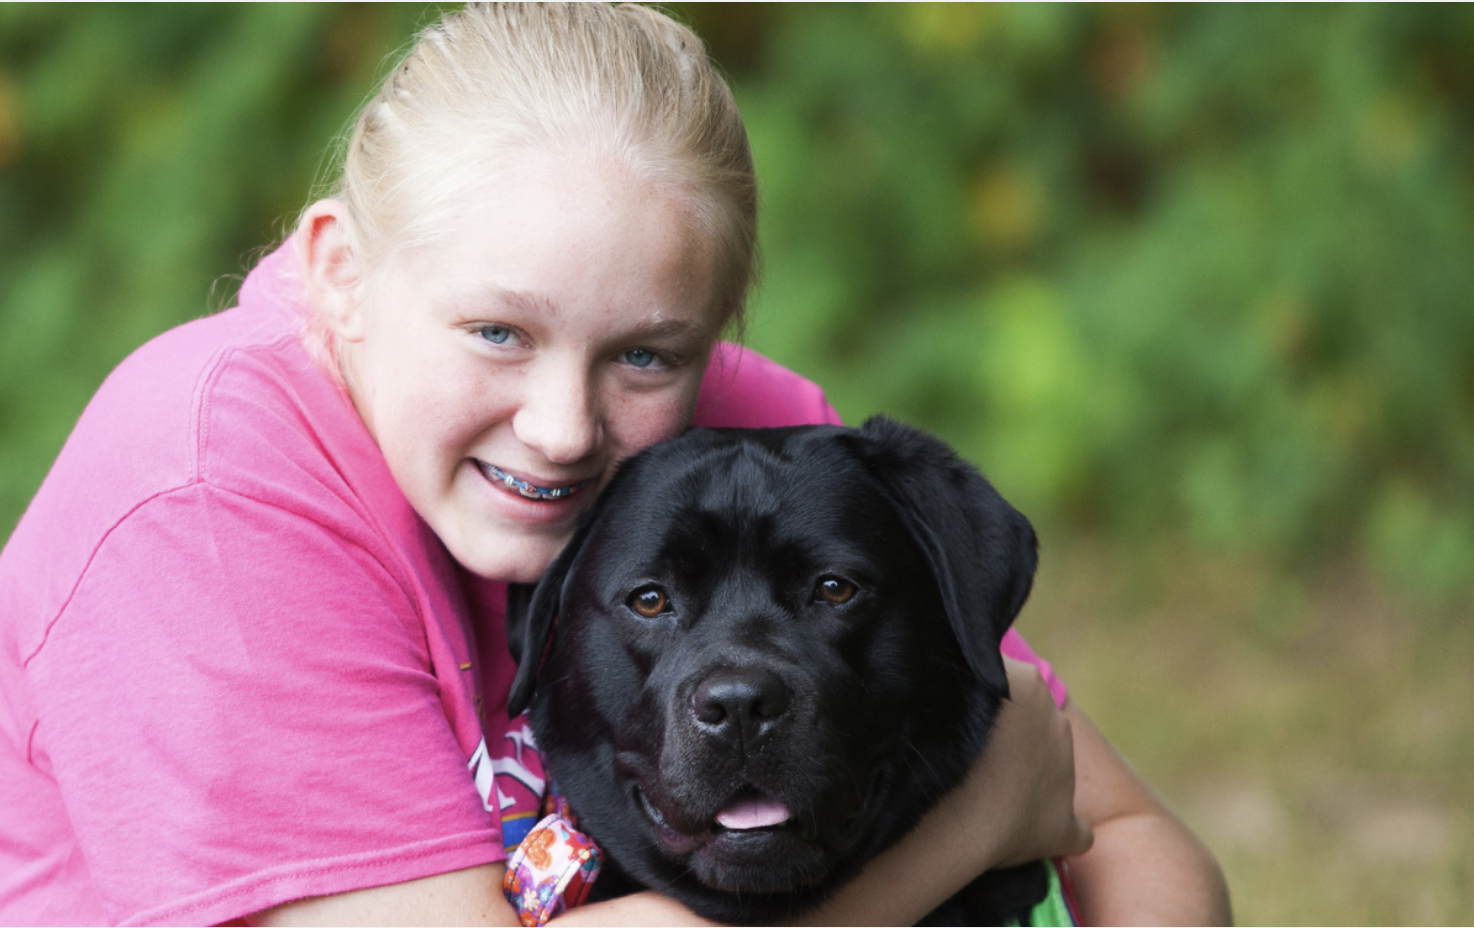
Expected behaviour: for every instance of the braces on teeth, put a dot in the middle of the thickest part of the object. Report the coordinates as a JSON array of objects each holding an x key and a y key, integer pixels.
[{"x": 526, "y": 489}]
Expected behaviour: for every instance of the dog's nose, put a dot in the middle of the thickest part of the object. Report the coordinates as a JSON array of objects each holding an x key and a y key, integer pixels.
[{"x": 739, "y": 704}]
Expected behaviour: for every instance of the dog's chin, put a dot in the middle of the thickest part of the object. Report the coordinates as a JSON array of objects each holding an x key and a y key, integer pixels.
[
  {"x": 767, "y": 859},
  {"x": 764, "y": 860}
]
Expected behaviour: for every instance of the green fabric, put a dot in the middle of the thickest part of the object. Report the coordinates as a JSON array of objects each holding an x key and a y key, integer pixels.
[{"x": 1052, "y": 909}]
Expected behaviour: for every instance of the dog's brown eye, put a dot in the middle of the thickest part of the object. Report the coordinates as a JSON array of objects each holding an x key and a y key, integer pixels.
[
  {"x": 834, "y": 590},
  {"x": 649, "y": 601}
]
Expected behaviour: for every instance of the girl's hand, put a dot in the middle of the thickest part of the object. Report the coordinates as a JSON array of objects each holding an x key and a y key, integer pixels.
[
  {"x": 1016, "y": 805},
  {"x": 1023, "y": 785}
]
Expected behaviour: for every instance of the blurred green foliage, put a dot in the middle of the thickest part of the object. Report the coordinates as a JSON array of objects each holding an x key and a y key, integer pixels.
[
  {"x": 1199, "y": 271},
  {"x": 1205, "y": 269},
  {"x": 145, "y": 153},
  {"x": 1166, "y": 273}
]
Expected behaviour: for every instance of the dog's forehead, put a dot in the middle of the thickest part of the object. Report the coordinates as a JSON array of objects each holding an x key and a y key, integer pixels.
[
  {"x": 793, "y": 482},
  {"x": 769, "y": 471}
]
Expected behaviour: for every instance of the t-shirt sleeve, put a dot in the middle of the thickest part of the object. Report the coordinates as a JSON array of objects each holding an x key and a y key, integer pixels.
[
  {"x": 1016, "y": 647},
  {"x": 239, "y": 709},
  {"x": 742, "y": 389}
]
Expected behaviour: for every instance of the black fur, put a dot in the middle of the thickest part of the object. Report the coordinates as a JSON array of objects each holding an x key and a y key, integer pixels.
[{"x": 857, "y": 716}]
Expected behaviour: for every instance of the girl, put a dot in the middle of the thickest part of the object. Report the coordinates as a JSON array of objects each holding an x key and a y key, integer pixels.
[{"x": 252, "y": 622}]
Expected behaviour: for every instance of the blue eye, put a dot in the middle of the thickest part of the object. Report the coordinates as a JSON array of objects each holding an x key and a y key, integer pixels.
[
  {"x": 639, "y": 357},
  {"x": 496, "y": 334}
]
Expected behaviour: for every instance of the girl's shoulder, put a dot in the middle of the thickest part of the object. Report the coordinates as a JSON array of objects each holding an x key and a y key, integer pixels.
[
  {"x": 229, "y": 406},
  {"x": 165, "y": 417},
  {"x": 743, "y": 389}
]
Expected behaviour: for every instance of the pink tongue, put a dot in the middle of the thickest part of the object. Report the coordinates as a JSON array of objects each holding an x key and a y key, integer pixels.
[{"x": 754, "y": 813}]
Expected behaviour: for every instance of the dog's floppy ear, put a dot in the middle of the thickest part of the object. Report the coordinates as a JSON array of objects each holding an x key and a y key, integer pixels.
[
  {"x": 982, "y": 550},
  {"x": 532, "y": 615}
]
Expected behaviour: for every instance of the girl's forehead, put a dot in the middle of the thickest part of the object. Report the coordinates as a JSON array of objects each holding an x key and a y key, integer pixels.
[
  {"x": 586, "y": 189},
  {"x": 551, "y": 235}
]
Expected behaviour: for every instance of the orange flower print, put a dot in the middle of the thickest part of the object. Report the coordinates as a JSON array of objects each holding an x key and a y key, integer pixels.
[{"x": 537, "y": 845}]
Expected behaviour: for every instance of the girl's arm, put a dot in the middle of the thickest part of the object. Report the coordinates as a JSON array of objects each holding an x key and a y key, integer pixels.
[
  {"x": 465, "y": 897},
  {"x": 1146, "y": 867},
  {"x": 1015, "y": 806}
]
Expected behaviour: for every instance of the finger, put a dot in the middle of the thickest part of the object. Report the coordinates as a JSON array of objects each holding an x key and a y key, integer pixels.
[
  {"x": 1022, "y": 675},
  {"x": 1084, "y": 837}
]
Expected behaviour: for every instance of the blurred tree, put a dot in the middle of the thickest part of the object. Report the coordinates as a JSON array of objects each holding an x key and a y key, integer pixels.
[
  {"x": 145, "y": 151},
  {"x": 1157, "y": 269}
]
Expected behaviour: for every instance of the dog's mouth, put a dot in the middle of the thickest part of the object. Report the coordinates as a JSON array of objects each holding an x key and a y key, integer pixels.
[
  {"x": 755, "y": 843},
  {"x": 749, "y": 812}
]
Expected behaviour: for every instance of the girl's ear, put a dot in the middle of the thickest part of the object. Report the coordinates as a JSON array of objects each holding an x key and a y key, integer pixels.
[{"x": 331, "y": 267}]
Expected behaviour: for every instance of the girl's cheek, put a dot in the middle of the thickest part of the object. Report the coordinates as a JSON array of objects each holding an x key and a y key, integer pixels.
[{"x": 656, "y": 420}]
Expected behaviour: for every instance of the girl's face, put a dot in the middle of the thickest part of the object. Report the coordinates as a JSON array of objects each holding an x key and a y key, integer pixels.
[{"x": 563, "y": 323}]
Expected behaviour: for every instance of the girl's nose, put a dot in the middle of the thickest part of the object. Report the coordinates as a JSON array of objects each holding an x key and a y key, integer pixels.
[{"x": 558, "y": 417}]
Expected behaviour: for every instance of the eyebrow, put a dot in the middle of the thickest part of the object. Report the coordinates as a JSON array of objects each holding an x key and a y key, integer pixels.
[
  {"x": 669, "y": 328},
  {"x": 520, "y": 299}
]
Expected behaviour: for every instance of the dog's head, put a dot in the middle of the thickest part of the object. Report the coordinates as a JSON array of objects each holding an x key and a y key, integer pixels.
[{"x": 766, "y": 652}]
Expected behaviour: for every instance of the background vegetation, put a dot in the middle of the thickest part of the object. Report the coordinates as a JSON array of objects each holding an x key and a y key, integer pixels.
[{"x": 1193, "y": 285}]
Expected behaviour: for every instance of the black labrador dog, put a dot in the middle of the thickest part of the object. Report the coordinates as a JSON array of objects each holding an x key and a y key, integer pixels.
[{"x": 765, "y": 653}]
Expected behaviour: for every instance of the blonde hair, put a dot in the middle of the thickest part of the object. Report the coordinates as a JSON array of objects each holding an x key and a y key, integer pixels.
[{"x": 493, "y": 79}]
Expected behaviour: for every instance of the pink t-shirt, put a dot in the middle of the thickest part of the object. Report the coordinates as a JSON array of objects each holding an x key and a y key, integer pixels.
[{"x": 236, "y": 668}]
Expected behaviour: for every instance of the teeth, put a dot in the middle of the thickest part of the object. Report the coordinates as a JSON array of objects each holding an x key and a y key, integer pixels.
[{"x": 525, "y": 489}]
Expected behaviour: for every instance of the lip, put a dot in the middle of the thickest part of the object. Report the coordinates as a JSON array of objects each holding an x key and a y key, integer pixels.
[
  {"x": 514, "y": 505},
  {"x": 676, "y": 840},
  {"x": 529, "y": 487}
]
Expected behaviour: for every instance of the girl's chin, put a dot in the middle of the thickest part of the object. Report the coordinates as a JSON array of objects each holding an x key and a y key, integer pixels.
[
  {"x": 514, "y": 557},
  {"x": 499, "y": 535}
]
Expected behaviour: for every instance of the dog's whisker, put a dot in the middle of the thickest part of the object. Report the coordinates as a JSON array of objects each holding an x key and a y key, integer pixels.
[{"x": 927, "y": 762}]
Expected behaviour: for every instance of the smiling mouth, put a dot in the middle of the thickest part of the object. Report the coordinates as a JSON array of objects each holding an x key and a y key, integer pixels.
[{"x": 526, "y": 490}]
